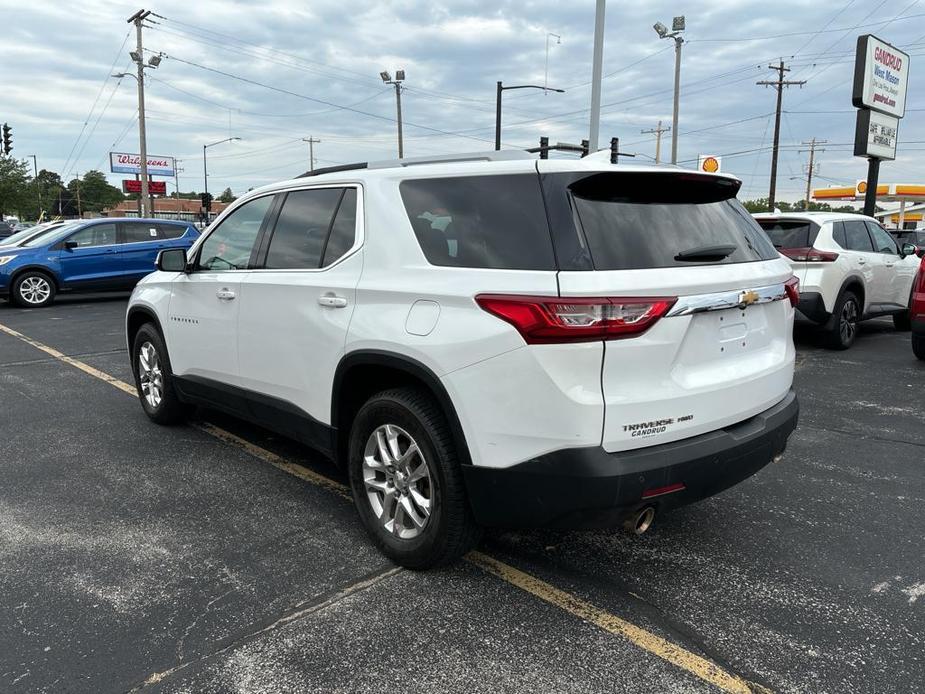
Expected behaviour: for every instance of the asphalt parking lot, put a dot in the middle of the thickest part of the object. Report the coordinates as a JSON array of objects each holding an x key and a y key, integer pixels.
[{"x": 216, "y": 557}]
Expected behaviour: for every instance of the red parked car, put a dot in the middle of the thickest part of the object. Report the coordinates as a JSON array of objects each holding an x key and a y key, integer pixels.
[{"x": 917, "y": 312}]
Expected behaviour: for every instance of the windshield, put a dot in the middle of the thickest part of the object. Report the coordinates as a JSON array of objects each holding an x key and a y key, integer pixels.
[
  {"x": 52, "y": 235},
  {"x": 20, "y": 236}
]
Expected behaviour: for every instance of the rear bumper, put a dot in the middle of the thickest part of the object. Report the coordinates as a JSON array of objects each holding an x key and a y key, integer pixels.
[
  {"x": 590, "y": 488},
  {"x": 813, "y": 308}
]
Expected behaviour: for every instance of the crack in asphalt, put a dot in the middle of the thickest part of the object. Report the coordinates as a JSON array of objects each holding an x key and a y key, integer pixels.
[{"x": 297, "y": 612}]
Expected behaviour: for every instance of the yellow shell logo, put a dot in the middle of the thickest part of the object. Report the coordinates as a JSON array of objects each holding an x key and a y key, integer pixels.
[
  {"x": 710, "y": 165},
  {"x": 862, "y": 187}
]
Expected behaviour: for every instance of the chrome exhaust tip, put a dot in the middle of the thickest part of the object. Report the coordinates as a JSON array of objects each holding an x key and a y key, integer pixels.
[{"x": 640, "y": 521}]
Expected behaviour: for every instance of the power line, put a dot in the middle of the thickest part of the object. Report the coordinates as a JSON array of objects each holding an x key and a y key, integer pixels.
[
  {"x": 96, "y": 100},
  {"x": 804, "y": 33},
  {"x": 321, "y": 101}
]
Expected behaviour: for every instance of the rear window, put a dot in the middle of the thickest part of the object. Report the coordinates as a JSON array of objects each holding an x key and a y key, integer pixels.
[
  {"x": 786, "y": 233},
  {"x": 480, "y": 221},
  {"x": 632, "y": 221}
]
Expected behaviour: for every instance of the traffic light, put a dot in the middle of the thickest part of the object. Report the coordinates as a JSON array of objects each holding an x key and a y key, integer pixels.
[
  {"x": 7, "y": 139},
  {"x": 206, "y": 201}
]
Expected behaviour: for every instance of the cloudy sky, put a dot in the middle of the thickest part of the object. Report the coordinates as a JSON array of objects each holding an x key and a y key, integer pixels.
[{"x": 278, "y": 71}]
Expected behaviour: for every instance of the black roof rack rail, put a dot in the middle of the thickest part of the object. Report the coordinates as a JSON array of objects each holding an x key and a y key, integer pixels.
[{"x": 334, "y": 169}]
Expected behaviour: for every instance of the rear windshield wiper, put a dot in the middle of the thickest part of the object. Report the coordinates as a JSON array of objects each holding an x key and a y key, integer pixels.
[{"x": 706, "y": 253}]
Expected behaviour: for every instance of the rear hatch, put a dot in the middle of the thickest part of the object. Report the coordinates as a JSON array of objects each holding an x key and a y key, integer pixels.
[
  {"x": 722, "y": 351},
  {"x": 794, "y": 239}
]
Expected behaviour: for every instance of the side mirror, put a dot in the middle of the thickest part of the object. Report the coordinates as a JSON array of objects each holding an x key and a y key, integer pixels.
[
  {"x": 70, "y": 245},
  {"x": 171, "y": 260},
  {"x": 907, "y": 249}
]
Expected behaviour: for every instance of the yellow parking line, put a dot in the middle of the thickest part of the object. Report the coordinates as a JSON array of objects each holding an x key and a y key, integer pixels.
[
  {"x": 678, "y": 656},
  {"x": 60, "y": 356},
  {"x": 646, "y": 640}
]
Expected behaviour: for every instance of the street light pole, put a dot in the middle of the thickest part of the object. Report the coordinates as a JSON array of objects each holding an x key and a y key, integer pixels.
[
  {"x": 677, "y": 26},
  {"x": 399, "y": 78},
  {"x": 546, "y": 69},
  {"x": 500, "y": 89},
  {"x": 677, "y": 98},
  {"x": 205, "y": 169},
  {"x": 597, "y": 70}
]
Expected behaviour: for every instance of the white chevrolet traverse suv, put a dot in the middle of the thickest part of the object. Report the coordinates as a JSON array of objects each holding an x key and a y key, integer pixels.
[
  {"x": 494, "y": 340},
  {"x": 850, "y": 269}
]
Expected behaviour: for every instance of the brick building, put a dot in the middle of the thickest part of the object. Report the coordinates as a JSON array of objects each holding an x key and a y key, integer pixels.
[{"x": 167, "y": 208}]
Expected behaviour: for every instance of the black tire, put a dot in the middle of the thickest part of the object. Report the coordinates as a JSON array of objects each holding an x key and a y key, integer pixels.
[
  {"x": 168, "y": 409},
  {"x": 918, "y": 346},
  {"x": 450, "y": 529},
  {"x": 30, "y": 286},
  {"x": 843, "y": 330}
]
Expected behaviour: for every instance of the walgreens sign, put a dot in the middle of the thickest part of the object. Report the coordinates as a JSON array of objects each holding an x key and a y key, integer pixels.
[{"x": 122, "y": 162}]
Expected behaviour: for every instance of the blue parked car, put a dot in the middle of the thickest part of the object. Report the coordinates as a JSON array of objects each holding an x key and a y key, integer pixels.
[{"x": 88, "y": 256}]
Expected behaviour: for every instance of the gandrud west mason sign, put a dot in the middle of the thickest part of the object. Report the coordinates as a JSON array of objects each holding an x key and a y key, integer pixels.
[{"x": 881, "y": 77}]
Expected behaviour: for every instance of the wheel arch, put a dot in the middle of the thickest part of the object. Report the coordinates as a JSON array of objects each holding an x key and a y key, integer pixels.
[
  {"x": 138, "y": 316},
  {"x": 363, "y": 373},
  {"x": 45, "y": 270},
  {"x": 855, "y": 284}
]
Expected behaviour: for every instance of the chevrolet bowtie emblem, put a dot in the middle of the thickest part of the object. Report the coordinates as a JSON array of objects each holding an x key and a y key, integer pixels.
[{"x": 747, "y": 298}]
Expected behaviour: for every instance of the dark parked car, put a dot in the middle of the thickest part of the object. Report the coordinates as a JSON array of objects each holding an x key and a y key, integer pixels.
[
  {"x": 97, "y": 255},
  {"x": 913, "y": 236}
]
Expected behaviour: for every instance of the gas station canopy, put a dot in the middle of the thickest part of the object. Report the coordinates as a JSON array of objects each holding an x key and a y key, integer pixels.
[{"x": 886, "y": 192}]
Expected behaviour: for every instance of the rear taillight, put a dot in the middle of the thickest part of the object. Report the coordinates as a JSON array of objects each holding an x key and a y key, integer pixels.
[
  {"x": 809, "y": 255},
  {"x": 547, "y": 319},
  {"x": 792, "y": 286}
]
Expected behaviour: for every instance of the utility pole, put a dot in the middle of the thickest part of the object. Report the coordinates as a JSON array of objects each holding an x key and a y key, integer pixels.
[
  {"x": 678, "y": 24},
  {"x": 138, "y": 57},
  {"x": 35, "y": 178},
  {"x": 658, "y": 138},
  {"x": 176, "y": 175},
  {"x": 597, "y": 69},
  {"x": 779, "y": 85},
  {"x": 79, "y": 212},
  {"x": 312, "y": 142},
  {"x": 809, "y": 172}
]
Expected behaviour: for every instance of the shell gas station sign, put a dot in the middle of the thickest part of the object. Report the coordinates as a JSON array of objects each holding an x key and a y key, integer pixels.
[{"x": 709, "y": 163}]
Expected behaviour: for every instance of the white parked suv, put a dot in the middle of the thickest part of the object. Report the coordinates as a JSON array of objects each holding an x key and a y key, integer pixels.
[
  {"x": 850, "y": 269},
  {"x": 494, "y": 340}
]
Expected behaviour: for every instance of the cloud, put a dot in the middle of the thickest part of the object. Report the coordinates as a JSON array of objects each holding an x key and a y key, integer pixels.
[{"x": 326, "y": 52}]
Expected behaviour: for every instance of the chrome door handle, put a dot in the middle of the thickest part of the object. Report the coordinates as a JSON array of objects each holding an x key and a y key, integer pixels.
[
  {"x": 225, "y": 294},
  {"x": 332, "y": 301}
]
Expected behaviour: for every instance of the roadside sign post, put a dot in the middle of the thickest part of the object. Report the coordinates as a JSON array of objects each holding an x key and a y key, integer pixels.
[{"x": 881, "y": 77}]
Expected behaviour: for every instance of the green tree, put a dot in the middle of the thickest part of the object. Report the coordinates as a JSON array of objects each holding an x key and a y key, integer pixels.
[
  {"x": 227, "y": 196},
  {"x": 95, "y": 192},
  {"x": 14, "y": 185}
]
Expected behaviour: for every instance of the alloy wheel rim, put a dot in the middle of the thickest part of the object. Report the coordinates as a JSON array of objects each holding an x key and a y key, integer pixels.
[
  {"x": 150, "y": 375},
  {"x": 849, "y": 321},
  {"x": 398, "y": 482},
  {"x": 34, "y": 290}
]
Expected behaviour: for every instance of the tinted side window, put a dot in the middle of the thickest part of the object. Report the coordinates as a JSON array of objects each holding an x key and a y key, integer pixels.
[
  {"x": 883, "y": 242},
  {"x": 96, "y": 235},
  {"x": 838, "y": 233},
  {"x": 302, "y": 228},
  {"x": 857, "y": 237},
  {"x": 480, "y": 221},
  {"x": 229, "y": 246},
  {"x": 343, "y": 233},
  {"x": 137, "y": 232},
  {"x": 170, "y": 231}
]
